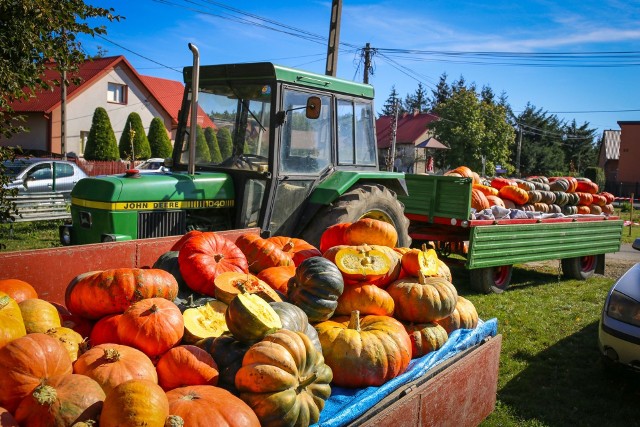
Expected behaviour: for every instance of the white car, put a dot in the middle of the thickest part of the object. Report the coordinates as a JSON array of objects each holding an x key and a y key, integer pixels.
[
  {"x": 619, "y": 330},
  {"x": 155, "y": 164}
]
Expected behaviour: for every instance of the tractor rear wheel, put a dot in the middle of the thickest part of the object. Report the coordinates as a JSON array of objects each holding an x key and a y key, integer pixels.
[{"x": 362, "y": 201}]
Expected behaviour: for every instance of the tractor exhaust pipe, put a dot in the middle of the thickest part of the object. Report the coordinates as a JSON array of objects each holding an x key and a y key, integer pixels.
[{"x": 193, "y": 129}]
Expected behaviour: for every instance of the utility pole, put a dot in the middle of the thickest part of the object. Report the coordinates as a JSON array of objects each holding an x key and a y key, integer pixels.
[
  {"x": 367, "y": 63},
  {"x": 518, "y": 151},
  {"x": 334, "y": 38},
  {"x": 394, "y": 129},
  {"x": 63, "y": 113}
]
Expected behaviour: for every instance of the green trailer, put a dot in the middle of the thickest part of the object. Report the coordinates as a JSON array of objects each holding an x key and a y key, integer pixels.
[{"x": 439, "y": 211}]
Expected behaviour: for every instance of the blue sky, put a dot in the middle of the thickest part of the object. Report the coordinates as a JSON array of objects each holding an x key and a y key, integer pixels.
[{"x": 154, "y": 36}]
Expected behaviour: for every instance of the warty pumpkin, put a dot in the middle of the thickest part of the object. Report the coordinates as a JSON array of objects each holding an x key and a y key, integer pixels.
[
  {"x": 11, "y": 323},
  {"x": 17, "y": 289},
  {"x": 112, "y": 364},
  {"x": 135, "y": 403},
  {"x": 203, "y": 257},
  {"x": 152, "y": 325},
  {"x": 186, "y": 365},
  {"x": 70, "y": 339},
  {"x": 206, "y": 406},
  {"x": 364, "y": 352},
  {"x": 61, "y": 401},
  {"x": 261, "y": 253},
  {"x": 423, "y": 299},
  {"x": 98, "y": 293},
  {"x": 425, "y": 338},
  {"x": 316, "y": 287},
  {"x": 39, "y": 315},
  {"x": 285, "y": 380},
  {"x": 371, "y": 231},
  {"x": 26, "y": 362}
]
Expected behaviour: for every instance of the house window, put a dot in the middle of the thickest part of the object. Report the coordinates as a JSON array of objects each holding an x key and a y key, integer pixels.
[{"x": 116, "y": 93}]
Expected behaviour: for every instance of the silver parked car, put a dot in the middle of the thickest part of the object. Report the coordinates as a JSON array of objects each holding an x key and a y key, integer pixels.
[{"x": 37, "y": 175}]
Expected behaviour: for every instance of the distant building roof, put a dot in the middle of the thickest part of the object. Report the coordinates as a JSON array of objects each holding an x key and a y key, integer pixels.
[
  {"x": 432, "y": 143},
  {"x": 167, "y": 92},
  {"x": 611, "y": 144},
  {"x": 411, "y": 128}
]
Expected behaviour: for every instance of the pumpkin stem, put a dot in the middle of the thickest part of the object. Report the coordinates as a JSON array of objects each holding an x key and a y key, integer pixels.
[
  {"x": 153, "y": 308},
  {"x": 4, "y": 301},
  {"x": 192, "y": 395},
  {"x": 111, "y": 355},
  {"x": 421, "y": 277},
  {"x": 174, "y": 421},
  {"x": 424, "y": 247},
  {"x": 307, "y": 381},
  {"x": 45, "y": 395},
  {"x": 288, "y": 247},
  {"x": 218, "y": 257},
  {"x": 354, "y": 321}
]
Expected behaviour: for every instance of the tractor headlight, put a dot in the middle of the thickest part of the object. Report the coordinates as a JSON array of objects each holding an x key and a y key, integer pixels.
[{"x": 624, "y": 309}]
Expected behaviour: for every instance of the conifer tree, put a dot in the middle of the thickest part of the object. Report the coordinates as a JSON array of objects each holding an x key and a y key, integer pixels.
[
  {"x": 212, "y": 143},
  {"x": 140, "y": 142},
  {"x": 159, "y": 141},
  {"x": 202, "y": 150},
  {"x": 225, "y": 143},
  {"x": 101, "y": 143}
]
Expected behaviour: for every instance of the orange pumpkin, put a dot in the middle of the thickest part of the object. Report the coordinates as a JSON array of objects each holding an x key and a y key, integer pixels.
[
  {"x": 297, "y": 249},
  {"x": 61, "y": 401},
  {"x": 135, "y": 403},
  {"x": 424, "y": 260},
  {"x": 587, "y": 186},
  {"x": 186, "y": 365},
  {"x": 203, "y": 405},
  {"x": 368, "y": 299},
  {"x": 464, "y": 316},
  {"x": 479, "y": 200},
  {"x": 423, "y": 299},
  {"x": 610, "y": 198},
  {"x": 152, "y": 325},
  {"x": 261, "y": 253},
  {"x": 463, "y": 171},
  {"x": 113, "y": 364},
  {"x": 180, "y": 243},
  {"x": 495, "y": 201},
  {"x": 585, "y": 198},
  {"x": 499, "y": 182},
  {"x": 278, "y": 277},
  {"x": 105, "y": 330},
  {"x": 514, "y": 193},
  {"x": 608, "y": 209},
  {"x": 486, "y": 190},
  {"x": 583, "y": 209},
  {"x": 371, "y": 232},
  {"x": 28, "y": 361},
  {"x": 17, "y": 289},
  {"x": 364, "y": 352},
  {"x": 333, "y": 236},
  {"x": 425, "y": 338}
]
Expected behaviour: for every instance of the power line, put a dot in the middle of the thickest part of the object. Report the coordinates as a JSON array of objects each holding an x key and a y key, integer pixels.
[{"x": 137, "y": 54}]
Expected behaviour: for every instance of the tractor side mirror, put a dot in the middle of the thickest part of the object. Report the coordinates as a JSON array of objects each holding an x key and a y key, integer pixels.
[{"x": 314, "y": 105}]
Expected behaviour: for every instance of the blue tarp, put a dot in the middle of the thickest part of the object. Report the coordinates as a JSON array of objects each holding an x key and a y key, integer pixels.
[{"x": 346, "y": 404}]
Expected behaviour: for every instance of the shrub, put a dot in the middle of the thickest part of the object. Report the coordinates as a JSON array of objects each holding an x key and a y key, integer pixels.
[
  {"x": 596, "y": 175},
  {"x": 625, "y": 207},
  {"x": 212, "y": 143},
  {"x": 140, "y": 141},
  {"x": 202, "y": 150},
  {"x": 159, "y": 141},
  {"x": 101, "y": 143}
]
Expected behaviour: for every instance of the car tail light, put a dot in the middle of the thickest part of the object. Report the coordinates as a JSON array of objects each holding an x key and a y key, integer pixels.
[{"x": 624, "y": 309}]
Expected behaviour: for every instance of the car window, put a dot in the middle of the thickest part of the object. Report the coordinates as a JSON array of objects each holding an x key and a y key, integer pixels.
[
  {"x": 63, "y": 170},
  {"x": 38, "y": 172}
]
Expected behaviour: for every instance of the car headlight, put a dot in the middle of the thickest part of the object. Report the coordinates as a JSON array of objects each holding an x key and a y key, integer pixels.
[{"x": 624, "y": 309}]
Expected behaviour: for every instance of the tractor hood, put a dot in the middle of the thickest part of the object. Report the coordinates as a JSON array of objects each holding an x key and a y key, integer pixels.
[{"x": 152, "y": 188}]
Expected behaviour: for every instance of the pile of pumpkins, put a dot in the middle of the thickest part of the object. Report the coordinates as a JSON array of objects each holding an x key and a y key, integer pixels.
[
  {"x": 241, "y": 333},
  {"x": 568, "y": 195}
]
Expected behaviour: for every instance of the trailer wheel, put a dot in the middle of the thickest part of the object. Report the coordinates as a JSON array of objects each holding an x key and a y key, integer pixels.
[
  {"x": 362, "y": 201},
  {"x": 579, "y": 268},
  {"x": 491, "y": 279}
]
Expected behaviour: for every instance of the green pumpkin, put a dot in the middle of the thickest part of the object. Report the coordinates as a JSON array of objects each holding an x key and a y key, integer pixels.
[
  {"x": 534, "y": 196},
  {"x": 560, "y": 184},
  {"x": 562, "y": 198},
  {"x": 316, "y": 287},
  {"x": 227, "y": 352},
  {"x": 548, "y": 197},
  {"x": 168, "y": 262},
  {"x": 569, "y": 210},
  {"x": 295, "y": 319},
  {"x": 250, "y": 318}
]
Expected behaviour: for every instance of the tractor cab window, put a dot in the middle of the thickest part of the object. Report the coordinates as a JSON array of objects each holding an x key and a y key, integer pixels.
[
  {"x": 306, "y": 142},
  {"x": 356, "y": 142},
  {"x": 233, "y": 126}
]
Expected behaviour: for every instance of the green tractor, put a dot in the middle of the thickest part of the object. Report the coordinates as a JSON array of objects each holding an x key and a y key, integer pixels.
[{"x": 298, "y": 154}]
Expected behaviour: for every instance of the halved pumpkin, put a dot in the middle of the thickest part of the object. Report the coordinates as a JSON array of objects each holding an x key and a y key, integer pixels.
[
  {"x": 232, "y": 283},
  {"x": 250, "y": 318},
  {"x": 362, "y": 263},
  {"x": 204, "y": 321}
]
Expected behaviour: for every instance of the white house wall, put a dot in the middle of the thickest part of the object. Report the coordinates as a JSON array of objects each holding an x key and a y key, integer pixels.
[{"x": 80, "y": 109}]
